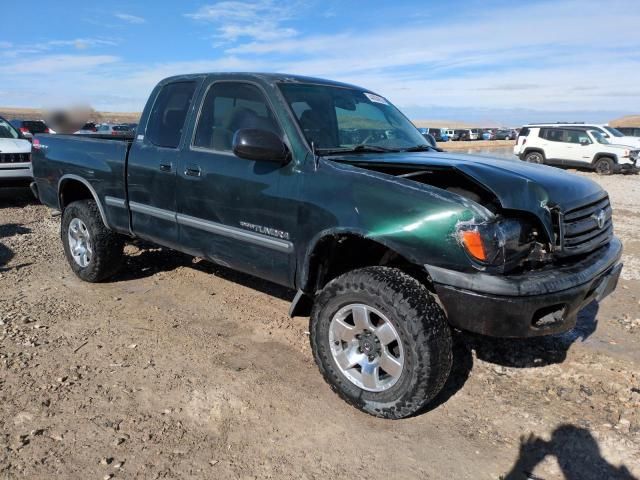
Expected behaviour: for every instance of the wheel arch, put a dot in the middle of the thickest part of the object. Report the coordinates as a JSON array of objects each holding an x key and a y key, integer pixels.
[
  {"x": 529, "y": 150},
  {"x": 600, "y": 155},
  {"x": 72, "y": 188}
]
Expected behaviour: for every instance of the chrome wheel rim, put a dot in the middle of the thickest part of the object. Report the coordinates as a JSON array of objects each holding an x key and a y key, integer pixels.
[
  {"x": 366, "y": 347},
  {"x": 80, "y": 242},
  {"x": 535, "y": 158},
  {"x": 603, "y": 167}
]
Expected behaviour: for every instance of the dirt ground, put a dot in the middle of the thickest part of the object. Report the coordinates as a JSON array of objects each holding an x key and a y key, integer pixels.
[{"x": 181, "y": 369}]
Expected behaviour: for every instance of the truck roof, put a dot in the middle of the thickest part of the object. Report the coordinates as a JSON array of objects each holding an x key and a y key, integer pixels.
[{"x": 264, "y": 77}]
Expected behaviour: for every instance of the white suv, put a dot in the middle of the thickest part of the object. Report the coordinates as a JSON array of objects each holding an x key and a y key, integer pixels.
[
  {"x": 15, "y": 155},
  {"x": 574, "y": 145}
]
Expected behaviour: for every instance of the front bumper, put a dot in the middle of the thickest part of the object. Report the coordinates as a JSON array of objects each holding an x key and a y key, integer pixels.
[
  {"x": 626, "y": 167},
  {"x": 15, "y": 171},
  {"x": 531, "y": 304}
]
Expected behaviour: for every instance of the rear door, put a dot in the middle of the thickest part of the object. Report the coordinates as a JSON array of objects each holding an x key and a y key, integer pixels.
[
  {"x": 554, "y": 143},
  {"x": 153, "y": 163},
  {"x": 232, "y": 210}
]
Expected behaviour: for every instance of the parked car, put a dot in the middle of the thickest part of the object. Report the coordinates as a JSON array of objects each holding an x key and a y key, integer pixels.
[
  {"x": 629, "y": 131},
  {"x": 575, "y": 146},
  {"x": 506, "y": 134},
  {"x": 28, "y": 128},
  {"x": 612, "y": 134},
  {"x": 487, "y": 135},
  {"x": 116, "y": 130},
  {"x": 15, "y": 155},
  {"x": 388, "y": 243},
  {"x": 451, "y": 134},
  {"x": 467, "y": 134},
  {"x": 87, "y": 129},
  {"x": 436, "y": 133}
]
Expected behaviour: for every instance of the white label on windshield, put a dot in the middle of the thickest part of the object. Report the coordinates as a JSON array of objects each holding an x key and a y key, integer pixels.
[
  {"x": 376, "y": 98},
  {"x": 140, "y": 137}
]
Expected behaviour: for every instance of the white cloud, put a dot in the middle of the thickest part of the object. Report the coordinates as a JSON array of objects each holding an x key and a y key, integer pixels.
[
  {"x": 259, "y": 20},
  {"x": 130, "y": 18},
  {"x": 5, "y": 44},
  {"x": 53, "y": 64}
]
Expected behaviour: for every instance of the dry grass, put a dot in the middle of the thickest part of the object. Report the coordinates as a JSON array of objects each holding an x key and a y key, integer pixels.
[
  {"x": 626, "y": 121},
  {"x": 93, "y": 116}
]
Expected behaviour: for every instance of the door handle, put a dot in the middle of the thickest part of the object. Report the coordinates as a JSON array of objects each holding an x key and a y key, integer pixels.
[
  {"x": 165, "y": 167},
  {"x": 192, "y": 171}
]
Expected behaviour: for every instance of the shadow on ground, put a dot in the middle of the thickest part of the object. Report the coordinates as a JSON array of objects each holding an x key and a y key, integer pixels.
[
  {"x": 511, "y": 352},
  {"x": 9, "y": 230},
  {"x": 151, "y": 259},
  {"x": 16, "y": 197},
  {"x": 576, "y": 451}
]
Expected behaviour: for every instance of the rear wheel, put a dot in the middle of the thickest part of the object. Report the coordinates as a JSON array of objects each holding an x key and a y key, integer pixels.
[
  {"x": 93, "y": 251},
  {"x": 604, "y": 166},
  {"x": 381, "y": 341},
  {"x": 534, "y": 157}
]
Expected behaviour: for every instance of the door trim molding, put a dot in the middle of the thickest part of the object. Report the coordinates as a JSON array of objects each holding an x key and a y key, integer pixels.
[
  {"x": 209, "y": 226},
  {"x": 236, "y": 233}
]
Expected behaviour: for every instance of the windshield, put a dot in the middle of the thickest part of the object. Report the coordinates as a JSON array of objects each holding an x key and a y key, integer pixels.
[
  {"x": 600, "y": 138},
  {"x": 343, "y": 119},
  {"x": 7, "y": 130},
  {"x": 614, "y": 132}
]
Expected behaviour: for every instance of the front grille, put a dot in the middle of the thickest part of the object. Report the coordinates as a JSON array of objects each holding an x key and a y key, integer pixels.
[
  {"x": 15, "y": 157},
  {"x": 586, "y": 228}
]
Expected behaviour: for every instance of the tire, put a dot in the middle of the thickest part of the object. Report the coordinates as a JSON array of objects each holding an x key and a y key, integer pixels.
[
  {"x": 534, "y": 157},
  {"x": 98, "y": 251},
  {"x": 604, "y": 166},
  {"x": 422, "y": 341}
]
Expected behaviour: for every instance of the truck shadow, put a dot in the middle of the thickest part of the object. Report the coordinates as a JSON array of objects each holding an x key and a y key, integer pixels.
[
  {"x": 16, "y": 197},
  {"x": 150, "y": 260},
  {"x": 9, "y": 230},
  {"x": 577, "y": 452},
  {"x": 536, "y": 351},
  {"x": 513, "y": 353}
]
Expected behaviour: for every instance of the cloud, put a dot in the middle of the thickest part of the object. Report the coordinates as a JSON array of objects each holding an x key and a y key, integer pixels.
[
  {"x": 259, "y": 20},
  {"x": 130, "y": 18},
  {"x": 6, "y": 44},
  {"x": 51, "y": 64}
]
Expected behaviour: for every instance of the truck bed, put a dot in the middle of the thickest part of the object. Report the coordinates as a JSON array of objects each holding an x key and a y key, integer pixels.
[{"x": 97, "y": 162}]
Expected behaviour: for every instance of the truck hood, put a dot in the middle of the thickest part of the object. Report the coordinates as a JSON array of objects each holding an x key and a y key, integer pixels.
[
  {"x": 626, "y": 141},
  {"x": 17, "y": 145},
  {"x": 517, "y": 185}
]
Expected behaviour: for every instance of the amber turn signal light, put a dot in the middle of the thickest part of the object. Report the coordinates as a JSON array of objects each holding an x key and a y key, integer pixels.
[{"x": 472, "y": 241}]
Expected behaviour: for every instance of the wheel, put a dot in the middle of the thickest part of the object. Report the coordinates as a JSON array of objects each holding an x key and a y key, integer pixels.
[
  {"x": 604, "y": 166},
  {"x": 93, "y": 251},
  {"x": 381, "y": 341},
  {"x": 534, "y": 157}
]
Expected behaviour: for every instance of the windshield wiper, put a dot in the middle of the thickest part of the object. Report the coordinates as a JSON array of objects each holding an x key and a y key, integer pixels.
[
  {"x": 419, "y": 148},
  {"x": 359, "y": 149}
]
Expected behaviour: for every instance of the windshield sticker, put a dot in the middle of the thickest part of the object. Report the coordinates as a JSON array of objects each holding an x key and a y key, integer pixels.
[
  {"x": 140, "y": 137},
  {"x": 376, "y": 98}
]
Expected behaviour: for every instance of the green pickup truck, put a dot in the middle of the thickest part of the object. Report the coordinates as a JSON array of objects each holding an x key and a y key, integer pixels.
[{"x": 328, "y": 189}]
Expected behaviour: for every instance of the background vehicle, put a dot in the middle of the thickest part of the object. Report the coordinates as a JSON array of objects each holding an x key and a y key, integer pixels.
[
  {"x": 436, "y": 133},
  {"x": 629, "y": 131},
  {"x": 87, "y": 129},
  {"x": 612, "y": 134},
  {"x": 31, "y": 127},
  {"x": 327, "y": 188},
  {"x": 487, "y": 134},
  {"x": 15, "y": 155},
  {"x": 506, "y": 134},
  {"x": 576, "y": 146},
  {"x": 116, "y": 130},
  {"x": 451, "y": 134}
]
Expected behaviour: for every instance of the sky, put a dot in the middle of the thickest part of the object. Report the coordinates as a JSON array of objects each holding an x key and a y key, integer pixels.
[{"x": 495, "y": 61}]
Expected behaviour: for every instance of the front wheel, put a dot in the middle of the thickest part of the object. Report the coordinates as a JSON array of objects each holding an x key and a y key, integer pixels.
[
  {"x": 604, "y": 166},
  {"x": 381, "y": 341},
  {"x": 93, "y": 251},
  {"x": 534, "y": 157}
]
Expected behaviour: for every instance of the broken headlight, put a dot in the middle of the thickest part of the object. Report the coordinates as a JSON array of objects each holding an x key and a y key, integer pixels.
[{"x": 498, "y": 245}]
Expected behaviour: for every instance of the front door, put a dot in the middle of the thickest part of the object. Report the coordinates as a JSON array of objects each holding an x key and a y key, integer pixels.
[
  {"x": 231, "y": 210},
  {"x": 153, "y": 163}
]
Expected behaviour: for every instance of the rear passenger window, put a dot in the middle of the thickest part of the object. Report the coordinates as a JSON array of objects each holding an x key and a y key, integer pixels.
[
  {"x": 553, "y": 134},
  {"x": 168, "y": 114},
  {"x": 229, "y": 107}
]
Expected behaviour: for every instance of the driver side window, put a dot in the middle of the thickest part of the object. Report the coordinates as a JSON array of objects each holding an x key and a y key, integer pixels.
[{"x": 229, "y": 107}]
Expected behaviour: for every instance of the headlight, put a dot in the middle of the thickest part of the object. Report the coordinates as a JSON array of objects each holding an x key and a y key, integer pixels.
[{"x": 496, "y": 245}]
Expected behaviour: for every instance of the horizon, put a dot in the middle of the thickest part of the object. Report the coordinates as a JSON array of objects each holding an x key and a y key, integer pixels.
[{"x": 472, "y": 63}]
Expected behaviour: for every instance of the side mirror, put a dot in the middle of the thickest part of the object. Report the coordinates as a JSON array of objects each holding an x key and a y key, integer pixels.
[
  {"x": 584, "y": 142},
  {"x": 254, "y": 144}
]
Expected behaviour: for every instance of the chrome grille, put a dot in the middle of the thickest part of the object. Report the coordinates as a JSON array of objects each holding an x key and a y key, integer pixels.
[
  {"x": 15, "y": 157},
  {"x": 587, "y": 227}
]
